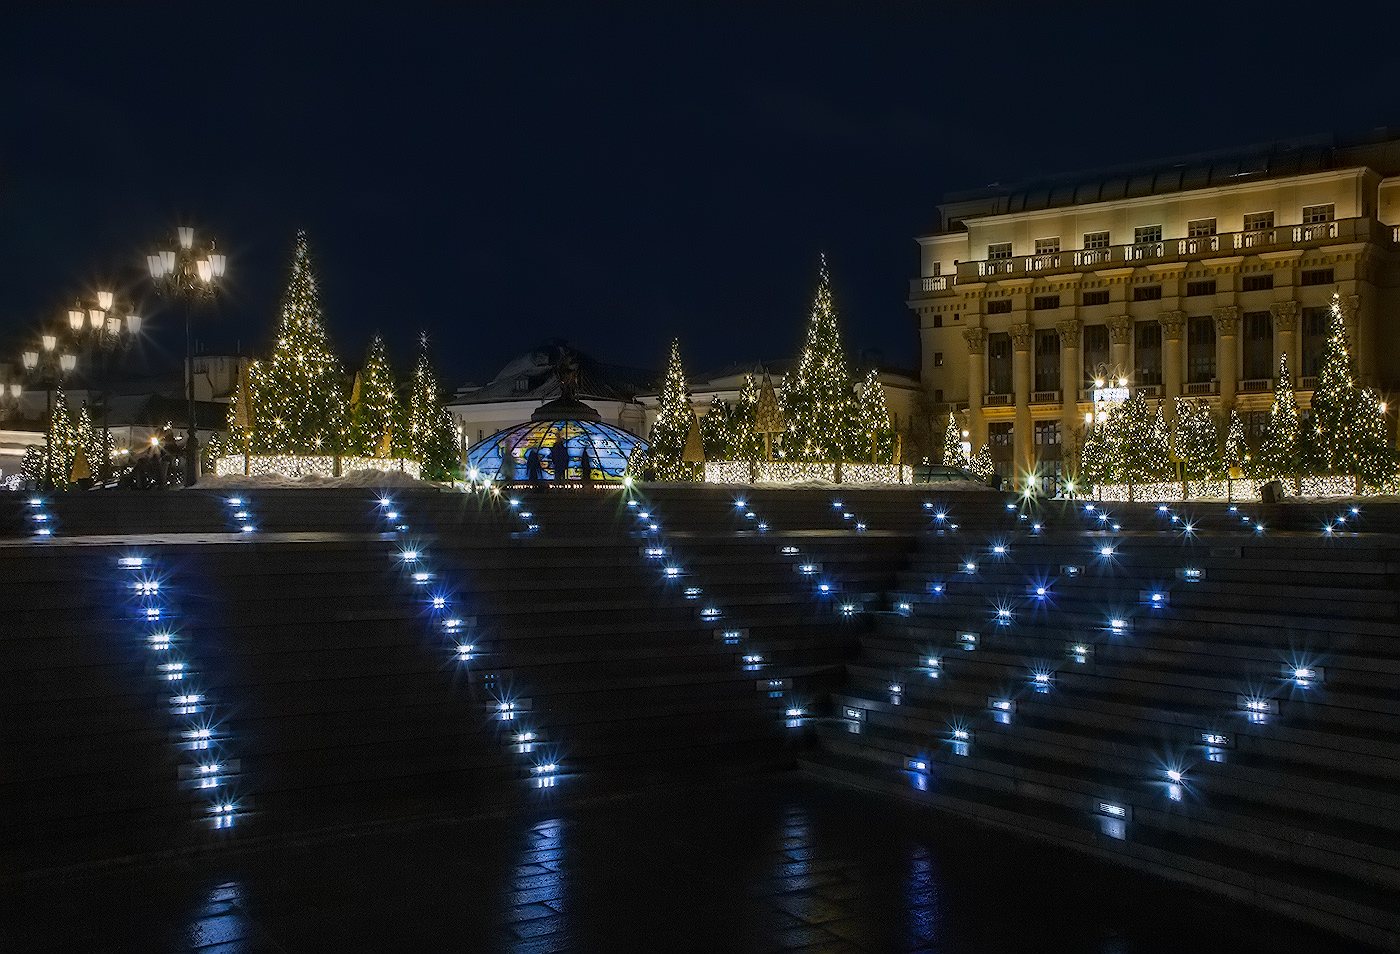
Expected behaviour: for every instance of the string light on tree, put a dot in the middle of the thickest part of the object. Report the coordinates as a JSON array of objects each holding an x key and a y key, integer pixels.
[
  {"x": 1279, "y": 452},
  {"x": 819, "y": 400},
  {"x": 673, "y": 420}
]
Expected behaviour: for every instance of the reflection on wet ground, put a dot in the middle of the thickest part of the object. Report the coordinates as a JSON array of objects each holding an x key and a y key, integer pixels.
[{"x": 777, "y": 864}]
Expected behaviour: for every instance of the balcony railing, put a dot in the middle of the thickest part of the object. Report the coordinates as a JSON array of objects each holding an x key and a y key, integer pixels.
[
  {"x": 1255, "y": 385},
  {"x": 1201, "y": 246},
  {"x": 1307, "y": 383},
  {"x": 998, "y": 400},
  {"x": 1202, "y": 387},
  {"x": 1045, "y": 397},
  {"x": 1148, "y": 390}
]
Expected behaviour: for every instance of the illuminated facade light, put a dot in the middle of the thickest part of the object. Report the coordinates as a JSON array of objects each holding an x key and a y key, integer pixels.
[
  {"x": 693, "y": 592},
  {"x": 131, "y": 562},
  {"x": 969, "y": 568},
  {"x": 789, "y": 551},
  {"x": 849, "y": 609}
]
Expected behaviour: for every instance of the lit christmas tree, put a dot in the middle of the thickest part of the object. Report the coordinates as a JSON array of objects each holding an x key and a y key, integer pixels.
[
  {"x": 744, "y": 442},
  {"x": 673, "y": 417},
  {"x": 981, "y": 465},
  {"x": 63, "y": 441},
  {"x": 1197, "y": 439},
  {"x": 297, "y": 401},
  {"x": 430, "y": 430},
  {"x": 953, "y": 455},
  {"x": 715, "y": 431},
  {"x": 374, "y": 406},
  {"x": 818, "y": 399},
  {"x": 875, "y": 442},
  {"x": 1236, "y": 456},
  {"x": 1098, "y": 455},
  {"x": 1280, "y": 453},
  {"x": 97, "y": 450},
  {"x": 1350, "y": 430},
  {"x": 31, "y": 470},
  {"x": 1141, "y": 452}
]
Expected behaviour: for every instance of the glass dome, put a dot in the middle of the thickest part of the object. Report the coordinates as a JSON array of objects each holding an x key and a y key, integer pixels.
[{"x": 609, "y": 449}]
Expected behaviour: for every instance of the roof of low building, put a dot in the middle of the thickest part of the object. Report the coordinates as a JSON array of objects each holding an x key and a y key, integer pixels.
[{"x": 534, "y": 376}]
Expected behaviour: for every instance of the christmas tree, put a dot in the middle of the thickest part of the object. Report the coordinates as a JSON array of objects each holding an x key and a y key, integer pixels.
[
  {"x": 374, "y": 405},
  {"x": 673, "y": 417},
  {"x": 952, "y": 444},
  {"x": 745, "y": 443},
  {"x": 876, "y": 439},
  {"x": 1280, "y": 451},
  {"x": 715, "y": 432},
  {"x": 63, "y": 441},
  {"x": 1098, "y": 455},
  {"x": 1197, "y": 439},
  {"x": 1141, "y": 452},
  {"x": 31, "y": 470},
  {"x": 1236, "y": 456},
  {"x": 981, "y": 464},
  {"x": 818, "y": 399},
  {"x": 1350, "y": 430},
  {"x": 430, "y": 431},
  {"x": 297, "y": 402}
]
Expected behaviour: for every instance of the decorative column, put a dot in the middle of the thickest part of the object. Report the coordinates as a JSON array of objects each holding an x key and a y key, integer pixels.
[
  {"x": 1022, "y": 340},
  {"x": 1227, "y": 355},
  {"x": 1173, "y": 330},
  {"x": 1120, "y": 345},
  {"x": 976, "y": 339},
  {"x": 1285, "y": 334},
  {"x": 1071, "y": 375}
]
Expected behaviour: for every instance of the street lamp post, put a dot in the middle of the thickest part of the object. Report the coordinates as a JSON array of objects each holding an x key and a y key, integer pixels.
[
  {"x": 190, "y": 273},
  {"x": 49, "y": 366},
  {"x": 101, "y": 330}
]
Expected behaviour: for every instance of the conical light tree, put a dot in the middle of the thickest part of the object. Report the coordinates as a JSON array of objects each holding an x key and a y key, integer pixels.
[
  {"x": 673, "y": 417},
  {"x": 1197, "y": 439},
  {"x": 981, "y": 465},
  {"x": 745, "y": 443},
  {"x": 1236, "y": 454},
  {"x": 952, "y": 444},
  {"x": 715, "y": 431},
  {"x": 96, "y": 445},
  {"x": 375, "y": 410},
  {"x": 876, "y": 439},
  {"x": 430, "y": 429},
  {"x": 818, "y": 399},
  {"x": 298, "y": 401},
  {"x": 1280, "y": 451},
  {"x": 1350, "y": 433},
  {"x": 63, "y": 441},
  {"x": 1099, "y": 454},
  {"x": 1141, "y": 455}
]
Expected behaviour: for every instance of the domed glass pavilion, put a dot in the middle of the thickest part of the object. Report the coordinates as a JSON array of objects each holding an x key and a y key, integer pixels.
[{"x": 568, "y": 420}]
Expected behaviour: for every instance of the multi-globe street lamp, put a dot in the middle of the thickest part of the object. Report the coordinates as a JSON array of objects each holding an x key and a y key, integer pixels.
[
  {"x": 99, "y": 329},
  {"x": 49, "y": 366},
  {"x": 191, "y": 274}
]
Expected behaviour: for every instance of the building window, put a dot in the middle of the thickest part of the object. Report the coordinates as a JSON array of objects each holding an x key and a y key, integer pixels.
[
  {"x": 1096, "y": 298},
  {"x": 1194, "y": 289},
  {"x": 1258, "y": 221},
  {"x": 938, "y": 359},
  {"x": 1147, "y": 341},
  {"x": 1198, "y": 227},
  {"x": 1316, "y": 322},
  {"x": 1255, "y": 424},
  {"x": 1200, "y": 350},
  {"x": 1318, "y": 213},
  {"x": 998, "y": 251},
  {"x": 937, "y": 395},
  {"x": 999, "y": 363},
  {"x": 1145, "y": 234},
  {"x": 1095, "y": 349},
  {"x": 937, "y": 269},
  {"x": 1002, "y": 439},
  {"x": 938, "y": 321},
  {"x": 999, "y": 307},
  {"x": 1047, "y": 246},
  {"x": 522, "y": 384},
  {"x": 1096, "y": 240},
  {"x": 1258, "y": 282},
  {"x": 1042, "y": 302},
  {"x": 1317, "y": 276},
  {"x": 1047, "y": 433},
  {"x": 1047, "y": 360},
  {"x": 1258, "y": 345},
  {"x": 1147, "y": 293}
]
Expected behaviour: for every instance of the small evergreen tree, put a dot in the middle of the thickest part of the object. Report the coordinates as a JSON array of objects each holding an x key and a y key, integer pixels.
[
  {"x": 876, "y": 440},
  {"x": 1197, "y": 439},
  {"x": 744, "y": 442},
  {"x": 818, "y": 399},
  {"x": 1236, "y": 455},
  {"x": 981, "y": 465},
  {"x": 63, "y": 441},
  {"x": 953, "y": 455},
  {"x": 1141, "y": 451},
  {"x": 430, "y": 432},
  {"x": 1280, "y": 451},
  {"x": 673, "y": 417},
  {"x": 375, "y": 409},
  {"x": 715, "y": 432},
  {"x": 1350, "y": 430},
  {"x": 1098, "y": 455},
  {"x": 31, "y": 470}
]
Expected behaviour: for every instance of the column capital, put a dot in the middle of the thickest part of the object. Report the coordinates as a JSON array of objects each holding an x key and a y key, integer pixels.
[
  {"x": 1226, "y": 317},
  {"x": 1120, "y": 329},
  {"x": 976, "y": 338},
  {"x": 1285, "y": 315},
  {"x": 1023, "y": 336},
  {"x": 1069, "y": 329},
  {"x": 1350, "y": 304},
  {"x": 1173, "y": 324}
]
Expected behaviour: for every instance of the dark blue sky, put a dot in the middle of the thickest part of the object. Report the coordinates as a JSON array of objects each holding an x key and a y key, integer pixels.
[{"x": 614, "y": 174}]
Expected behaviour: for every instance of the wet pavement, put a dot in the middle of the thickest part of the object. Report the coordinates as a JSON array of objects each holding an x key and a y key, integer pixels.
[{"x": 782, "y": 863}]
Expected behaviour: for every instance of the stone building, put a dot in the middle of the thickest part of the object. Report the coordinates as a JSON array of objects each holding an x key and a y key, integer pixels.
[{"x": 1187, "y": 276}]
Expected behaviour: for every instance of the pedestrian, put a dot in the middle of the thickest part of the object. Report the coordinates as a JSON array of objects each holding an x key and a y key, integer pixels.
[
  {"x": 585, "y": 467},
  {"x": 559, "y": 460},
  {"x": 534, "y": 471}
]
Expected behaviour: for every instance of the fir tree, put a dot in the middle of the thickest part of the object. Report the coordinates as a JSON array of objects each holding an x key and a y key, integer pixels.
[
  {"x": 673, "y": 417},
  {"x": 744, "y": 442},
  {"x": 430, "y": 430},
  {"x": 297, "y": 401},
  {"x": 375, "y": 410},
  {"x": 63, "y": 441},
  {"x": 876, "y": 438},
  {"x": 1236, "y": 455},
  {"x": 1098, "y": 457},
  {"x": 818, "y": 399},
  {"x": 1141, "y": 451},
  {"x": 953, "y": 455},
  {"x": 715, "y": 431},
  {"x": 96, "y": 446},
  {"x": 981, "y": 465},
  {"x": 31, "y": 470},
  {"x": 1350, "y": 431},
  {"x": 1280, "y": 452},
  {"x": 1197, "y": 439}
]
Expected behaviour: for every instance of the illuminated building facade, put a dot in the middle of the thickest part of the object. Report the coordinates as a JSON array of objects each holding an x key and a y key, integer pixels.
[{"x": 1188, "y": 277}]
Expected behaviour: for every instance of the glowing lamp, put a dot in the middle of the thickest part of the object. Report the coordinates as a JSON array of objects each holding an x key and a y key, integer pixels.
[
  {"x": 68, "y": 362},
  {"x": 75, "y": 318},
  {"x": 218, "y": 263}
]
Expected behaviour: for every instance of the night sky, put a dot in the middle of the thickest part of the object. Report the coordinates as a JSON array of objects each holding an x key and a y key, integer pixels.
[{"x": 611, "y": 174}]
